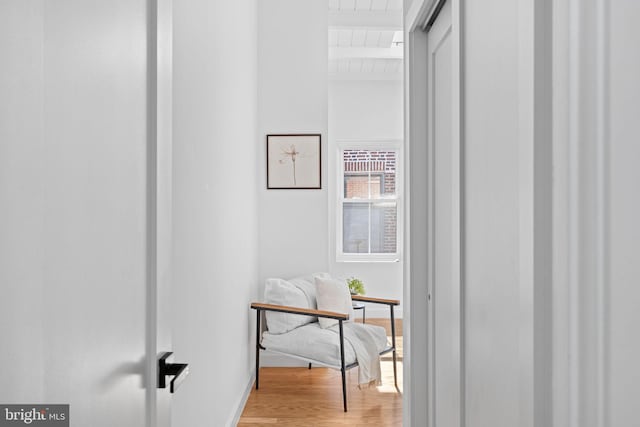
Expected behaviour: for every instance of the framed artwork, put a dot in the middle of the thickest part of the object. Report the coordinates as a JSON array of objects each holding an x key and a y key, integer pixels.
[{"x": 293, "y": 161}]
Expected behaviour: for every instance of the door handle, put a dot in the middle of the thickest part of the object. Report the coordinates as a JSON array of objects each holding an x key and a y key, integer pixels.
[{"x": 179, "y": 371}]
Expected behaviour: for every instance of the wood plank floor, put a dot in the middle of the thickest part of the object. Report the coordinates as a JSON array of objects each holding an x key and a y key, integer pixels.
[{"x": 313, "y": 398}]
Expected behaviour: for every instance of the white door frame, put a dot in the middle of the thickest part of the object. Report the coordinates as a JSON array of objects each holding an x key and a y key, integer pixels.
[
  {"x": 418, "y": 278},
  {"x": 581, "y": 206},
  {"x": 159, "y": 202}
]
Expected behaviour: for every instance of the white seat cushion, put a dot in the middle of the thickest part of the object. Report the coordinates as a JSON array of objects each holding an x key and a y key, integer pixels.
[{"x": 318, "y": 344}]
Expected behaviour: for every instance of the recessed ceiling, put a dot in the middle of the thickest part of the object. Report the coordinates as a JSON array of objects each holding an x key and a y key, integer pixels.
[
  {"x": 346, "y": 5},
  {"x": 365, "y": 39}
]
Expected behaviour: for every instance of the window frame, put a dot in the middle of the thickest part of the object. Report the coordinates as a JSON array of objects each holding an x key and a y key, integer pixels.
[{"x": 370, "y": 145}]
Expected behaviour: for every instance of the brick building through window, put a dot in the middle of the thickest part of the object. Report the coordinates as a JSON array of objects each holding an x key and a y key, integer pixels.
[{"x": 369, "y": 202}]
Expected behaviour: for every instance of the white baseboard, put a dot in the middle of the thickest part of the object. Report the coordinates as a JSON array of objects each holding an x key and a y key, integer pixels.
[{"x": 243, "y": 401}]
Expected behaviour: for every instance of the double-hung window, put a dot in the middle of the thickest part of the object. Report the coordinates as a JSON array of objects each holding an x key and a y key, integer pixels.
[{"x": 368, "y": 216}]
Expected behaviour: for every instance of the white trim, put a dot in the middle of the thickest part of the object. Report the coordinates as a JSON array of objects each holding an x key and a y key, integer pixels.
[
  {"x": 417, "y": 242},
  {"x": 235, "y": 418},
  {"x": 573, "y": 214},
  {"x": 602, "y": 247},
  {"x": 457, "y": 228},
  {"x": 372, "y": 145},
  {"x": 581, "y": 197},
  {"x": 457, "y": 136},
  {"x": 526, "y": 205},
  {"x": 417, "y": 15},
  {"x": 415, "y": 231}
]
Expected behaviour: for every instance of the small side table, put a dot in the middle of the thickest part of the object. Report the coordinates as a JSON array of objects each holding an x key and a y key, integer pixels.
[{"x": 360, "y": 306}]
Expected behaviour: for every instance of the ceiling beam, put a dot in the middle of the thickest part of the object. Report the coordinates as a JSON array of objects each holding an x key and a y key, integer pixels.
[
  {"x": 370, "y": 20},
  {"x": 394, "y": 52}
]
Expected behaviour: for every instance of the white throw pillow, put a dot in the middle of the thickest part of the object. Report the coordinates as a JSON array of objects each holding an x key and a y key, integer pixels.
[
  {"x": 281, "y": 292},
  {"x": 307, "y": 285},
  {"x": 333, "y": 295}
]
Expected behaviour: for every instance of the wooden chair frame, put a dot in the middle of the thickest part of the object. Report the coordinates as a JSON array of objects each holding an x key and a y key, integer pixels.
[{"x": 340, "y": 317}]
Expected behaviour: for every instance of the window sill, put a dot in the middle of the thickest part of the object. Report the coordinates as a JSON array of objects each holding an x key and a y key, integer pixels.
[{"x": 368, "y": 258}]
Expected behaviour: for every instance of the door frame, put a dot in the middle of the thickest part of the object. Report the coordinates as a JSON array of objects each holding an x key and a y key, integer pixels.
[
  {"x": 418, "y": 379},
  {"x": 159, "y": 203}
]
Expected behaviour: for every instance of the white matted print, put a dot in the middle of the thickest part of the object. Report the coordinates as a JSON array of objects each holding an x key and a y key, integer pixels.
[{"x": 293, "y": 161}]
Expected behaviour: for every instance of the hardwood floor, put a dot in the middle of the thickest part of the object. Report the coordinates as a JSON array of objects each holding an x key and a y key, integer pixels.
[{"x": 313, "y": 398}]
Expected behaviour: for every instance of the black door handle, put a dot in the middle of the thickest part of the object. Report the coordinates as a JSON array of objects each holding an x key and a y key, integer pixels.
[{"x": 178, "y": 371}]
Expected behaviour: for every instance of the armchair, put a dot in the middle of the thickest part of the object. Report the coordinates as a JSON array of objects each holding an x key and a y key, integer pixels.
[{"x": 304, "y": 339}]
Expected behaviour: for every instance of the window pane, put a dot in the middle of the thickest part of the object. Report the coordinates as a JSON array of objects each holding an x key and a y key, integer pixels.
[
  {"x": 355, "y": 228},
  {"x": 359, "y": 186},
  {"x": 383, "y": 228},
  {"x": 379, "y": 166},
  {"x": 369, "y": 228}
]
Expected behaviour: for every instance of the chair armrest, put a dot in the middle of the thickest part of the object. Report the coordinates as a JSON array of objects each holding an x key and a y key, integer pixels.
[
  {"x": 299, "y": 310},
  {"x": 361, "y": 298}
]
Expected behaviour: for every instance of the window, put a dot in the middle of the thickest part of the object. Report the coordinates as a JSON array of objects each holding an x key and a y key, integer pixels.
[{"x": 368, "y": 204}]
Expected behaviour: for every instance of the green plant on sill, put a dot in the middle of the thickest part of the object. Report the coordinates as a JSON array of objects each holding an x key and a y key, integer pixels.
[{"x": 356, "y": 287}]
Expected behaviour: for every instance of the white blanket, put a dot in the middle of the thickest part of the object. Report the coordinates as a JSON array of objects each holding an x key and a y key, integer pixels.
[{"x": 364, "y": 345}]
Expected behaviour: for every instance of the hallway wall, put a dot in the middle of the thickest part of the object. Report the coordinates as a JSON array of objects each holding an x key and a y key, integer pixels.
[
  {"x": 215, "y": 205},
  {"x": 292, "y": 59}
]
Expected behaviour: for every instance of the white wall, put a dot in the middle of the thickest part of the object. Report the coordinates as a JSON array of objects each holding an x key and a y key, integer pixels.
[
  {"x": 364, "y": 111},
  {"x": 292, "y": 57},
  {"x": 215, "y": 207}
]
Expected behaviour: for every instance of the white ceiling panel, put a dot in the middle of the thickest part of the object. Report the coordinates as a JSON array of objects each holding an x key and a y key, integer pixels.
[
  {"x": 361, "y": 35},
  {"x": 379, "y": 66},
  {"x": 333, "y": 38},
  {"x": 367, "y": 65},
  {"x": 379, "y": 4},
  {"x": 372, "y": 38},
  {"x": 344, "y": 38},
  {"x": 394, "y": 5},
  {"x": 347, "y": 4},
  {"x": 386, "y": 37},
  {"x": 363, "y": 4},
  {"x": 355, "y": 66},
  {"x": 358, "y": 38},
  {"x": 343, "y": 65}
]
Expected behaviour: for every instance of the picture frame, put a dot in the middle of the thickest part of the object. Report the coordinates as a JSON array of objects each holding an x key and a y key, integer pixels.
[{"x": 294, "y": 161}]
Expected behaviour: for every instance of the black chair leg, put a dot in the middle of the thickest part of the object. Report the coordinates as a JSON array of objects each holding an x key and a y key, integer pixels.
[
  {"x": 393, "y": 343},
  {"x": 309, "y": 365},
  {"x": 258, "y": 351},
  {"x": 343, "y": 370}
]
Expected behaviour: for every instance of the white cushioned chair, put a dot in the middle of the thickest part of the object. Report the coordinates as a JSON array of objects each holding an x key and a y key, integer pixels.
[{"x": 287, "y": 323}]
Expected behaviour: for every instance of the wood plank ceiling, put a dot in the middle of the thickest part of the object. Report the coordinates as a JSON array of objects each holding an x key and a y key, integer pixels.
[{"x": 365, "y": 39}]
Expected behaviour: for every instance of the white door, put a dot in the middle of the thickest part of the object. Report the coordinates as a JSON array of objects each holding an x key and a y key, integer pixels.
[
  {"x": 445, "y": 224},
  {"x": 82, "y": 242}
]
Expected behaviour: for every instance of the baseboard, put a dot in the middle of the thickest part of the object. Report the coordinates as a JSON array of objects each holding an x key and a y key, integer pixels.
[{"x": 243, "y": 401}]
